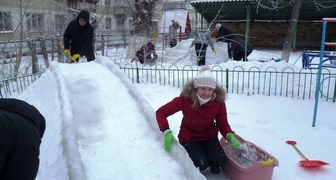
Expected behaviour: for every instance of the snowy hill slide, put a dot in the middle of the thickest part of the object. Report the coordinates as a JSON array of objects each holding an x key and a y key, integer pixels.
[{"x": 100, "y": 127}]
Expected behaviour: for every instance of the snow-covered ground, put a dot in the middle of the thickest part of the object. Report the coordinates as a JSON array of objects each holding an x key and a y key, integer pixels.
[{"x": 100, "y": 126}]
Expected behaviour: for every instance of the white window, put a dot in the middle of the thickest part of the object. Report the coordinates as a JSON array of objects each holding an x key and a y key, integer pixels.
[
  {"x": 34, "y": 22},
  {"x": 5, "y": 21}
]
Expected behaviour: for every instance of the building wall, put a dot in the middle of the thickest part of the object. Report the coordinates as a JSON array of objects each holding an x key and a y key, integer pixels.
[
  {"x": 272, "y": 34},
  {"x": 51, "y": 9}
]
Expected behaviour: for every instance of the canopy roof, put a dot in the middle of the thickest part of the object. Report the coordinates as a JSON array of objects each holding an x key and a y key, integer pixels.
[{"x": 227, "y": 10}]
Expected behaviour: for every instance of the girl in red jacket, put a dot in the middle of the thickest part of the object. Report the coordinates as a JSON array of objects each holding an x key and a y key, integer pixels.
[{"x": 204, "y": 115}]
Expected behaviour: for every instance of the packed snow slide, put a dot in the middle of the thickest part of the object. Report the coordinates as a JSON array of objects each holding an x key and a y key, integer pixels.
[
  {"x": 101, "y": 127},
  {"x": 182, "y": 54}
]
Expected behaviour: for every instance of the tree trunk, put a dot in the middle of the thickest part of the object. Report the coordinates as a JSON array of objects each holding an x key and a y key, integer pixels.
[
  {"x": 142, "y": 30},
  {"x": 143, "y": 17},
  {"x": 19, "y": 54},
  {"x": 32, "y": 48},
  {"x": 291, "y": 30},
  {"x": 44, "y": 51}
]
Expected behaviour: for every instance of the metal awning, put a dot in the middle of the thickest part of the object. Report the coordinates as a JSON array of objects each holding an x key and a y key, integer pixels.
[{"x": 264, "y": 10}]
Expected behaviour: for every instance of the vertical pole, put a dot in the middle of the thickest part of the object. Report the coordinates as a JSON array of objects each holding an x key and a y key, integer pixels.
[
  {"x": 103, "y": 45},
  {"x": 334, "y": 98},
  {"x": 196, "y": 19},
  {"x": 227, "y": 80},
  {"x": 137, "y": 73},
  {"x": 317, "y": 91},
  {"x": 247, "y": 28},
  {"x": 52, "y": 48},
  {"x": 180, "y": 34},
  {"x": 294, "y": 41}
]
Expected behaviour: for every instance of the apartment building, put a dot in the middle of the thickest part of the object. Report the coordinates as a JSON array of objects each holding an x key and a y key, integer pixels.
[{"x": 30, "y": 19}]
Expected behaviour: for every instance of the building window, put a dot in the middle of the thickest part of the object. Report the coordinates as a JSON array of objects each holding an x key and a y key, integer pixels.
[
  {"x": 60, "y": 23},
  {"x": 120, "y": 3},
  {"x": 5, "y": 21},
  {"x": 34, "y": 22},
  {"x": 108, "y": 23},
  {"x": 130, "y": 25},
  {"x": 121, "y": 24}
]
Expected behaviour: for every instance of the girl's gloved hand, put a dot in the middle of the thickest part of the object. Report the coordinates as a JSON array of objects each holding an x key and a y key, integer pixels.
[
  {"x": 168, "y": 139},
  {"x": 234, "y": 142}
]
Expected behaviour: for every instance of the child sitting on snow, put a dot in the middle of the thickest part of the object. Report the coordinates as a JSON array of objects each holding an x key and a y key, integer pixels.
[{"x": 144, "y": 54}]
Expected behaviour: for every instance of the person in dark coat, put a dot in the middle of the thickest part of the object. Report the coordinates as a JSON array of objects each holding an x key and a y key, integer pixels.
[
  {"x": 224, "y": 35},
  {"x": 146, "y": 54},
  {"x": 21, "y": 129},
  {"x": 78, "y": 38},
  {"x": 202, "y": 103},
  {"x": 238, "y": 50}
]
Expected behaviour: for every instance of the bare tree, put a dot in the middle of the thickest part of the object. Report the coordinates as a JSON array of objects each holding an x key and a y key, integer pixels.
[
  {"x": 143, "y": 17},
  {"x": 142, "y": 30},
  {"x": 291, "y": 30}
]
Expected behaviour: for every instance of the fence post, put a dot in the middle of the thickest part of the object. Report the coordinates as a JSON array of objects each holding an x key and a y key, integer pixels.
[
  {"x": 124, "y": 39},
  {"x": 334, "y": 98},
  {"x": 59, "y": 49},
  {"x": 137, "y": 74},
  {"x": 52, "y": 48},
  {"x": 227, "y": 79},
  {"x": 1, "y": 91},
  {"x": 103, "y": 45}
]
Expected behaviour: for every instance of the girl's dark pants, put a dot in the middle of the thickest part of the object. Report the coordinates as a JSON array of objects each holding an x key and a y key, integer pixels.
[{"x": 205, "y": 153}]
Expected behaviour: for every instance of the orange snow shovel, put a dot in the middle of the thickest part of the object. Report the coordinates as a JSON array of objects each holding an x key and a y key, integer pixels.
[{"x": 306, "y": 162}]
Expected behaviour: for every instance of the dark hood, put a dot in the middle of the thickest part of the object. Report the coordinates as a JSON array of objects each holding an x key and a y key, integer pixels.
[
  {"x": 150, "y": 46},
  {"x": 23, "y": 108},
  {"x": 85, "y": 15}
]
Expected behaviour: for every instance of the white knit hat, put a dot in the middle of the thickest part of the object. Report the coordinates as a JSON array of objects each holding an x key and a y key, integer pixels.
[
  {"x": 205, "y": 78},
  {"x": 218, "y": 25}
]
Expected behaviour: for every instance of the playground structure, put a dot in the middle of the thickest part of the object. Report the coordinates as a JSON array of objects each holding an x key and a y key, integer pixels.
[
  {"x": 322, "y": 56},
  {"x": 310, "y": 59}
]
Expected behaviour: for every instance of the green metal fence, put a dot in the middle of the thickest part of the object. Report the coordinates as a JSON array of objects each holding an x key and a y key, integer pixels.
[
  {"x": 16, "y": 85},
  {"x": 253, "y": 81}
]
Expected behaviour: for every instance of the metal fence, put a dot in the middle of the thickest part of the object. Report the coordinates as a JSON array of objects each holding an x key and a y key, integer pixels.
[
  {"x": 16, "y": 85},
  {"x": 253, "y": 81}
]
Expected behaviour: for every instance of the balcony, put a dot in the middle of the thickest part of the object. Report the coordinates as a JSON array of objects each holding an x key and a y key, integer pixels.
[{"x": 121, "y": 10}]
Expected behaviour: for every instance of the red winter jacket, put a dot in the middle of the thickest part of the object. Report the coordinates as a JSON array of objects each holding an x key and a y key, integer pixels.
[{"x": 197, "y": 125}]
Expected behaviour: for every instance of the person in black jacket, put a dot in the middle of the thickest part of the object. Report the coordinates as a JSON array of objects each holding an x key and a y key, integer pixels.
[
  {"x": 78, "y": 38},
  {"x": 21, "y": 129},
  {"x": 238, "y": 49},
  {"x": 224, "y": 35}
]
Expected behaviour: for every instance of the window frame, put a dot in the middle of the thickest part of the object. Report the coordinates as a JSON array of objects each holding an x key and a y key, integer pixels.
[
  {"x": 6, "y": 23},
  {"x": 35, "y": 22}
]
